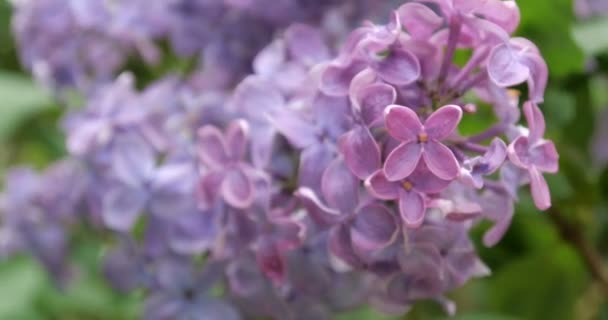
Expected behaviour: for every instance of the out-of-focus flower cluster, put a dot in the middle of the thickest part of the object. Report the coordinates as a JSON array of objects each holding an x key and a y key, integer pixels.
[{"x": 329, "y": 177}]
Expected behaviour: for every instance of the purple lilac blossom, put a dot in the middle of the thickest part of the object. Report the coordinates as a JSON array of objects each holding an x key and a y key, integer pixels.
[{"x": 327, "y": 178}]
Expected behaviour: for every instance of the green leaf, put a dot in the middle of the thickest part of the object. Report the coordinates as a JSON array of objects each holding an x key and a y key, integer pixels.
[
  {"x": 364, "y": 314},
  {"x": 543, "y": 285},
  {"x": 547, "y": 23},
  {"x": 591, "y": 36},
  {"x": 482, "y": 316},
  {"x": 19, "y": 98},
  {"x": 20, "y": 281}
]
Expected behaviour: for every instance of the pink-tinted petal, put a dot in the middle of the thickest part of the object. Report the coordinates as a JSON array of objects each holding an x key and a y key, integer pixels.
[
  {"x": 545, "y": 157},
  {"x": 402, "y": 123},
  {"x": 505, "y": 68},
  {"x": 411, "y": 208},
  {"x": 212, "y": 147},
  {"x": 209, "y": 188},
  {"x": 319, "y": 212},
  {"x": 536, "y": 121},
  {"x": 402, "y": 161},
  {"x": 400, "y": 67},
  {"x": 340, "y": 187},
  {"x": 336, "y": 79},
  {"x": 360, "y": 151},
  {"x": 419, "y": 20},
  {"x": 495, "y": 156},
  {"x": 237, "y": 135},
  {"x": 374, "y": 228},
  {"x": 440, "y": 160},
  {"x": 237, "y": 189},
  {"x": 540, "y": 189},
  {"x": 497, "y": 207},
  {"x": 271, "y": 262},
  {"x": 442, "y": 123},
  {"x": 539, "y": 70},
  {"x": 503, "y": 13},
  {"x": 379, "y": 186},
  {"x": 519, "y": 152},
  {"x": 425, "y": 181},
  {"x": 373, "y": 99}
]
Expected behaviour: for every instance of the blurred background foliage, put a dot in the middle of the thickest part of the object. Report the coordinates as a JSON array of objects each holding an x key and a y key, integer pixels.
[{"x": 541, "y": 270}]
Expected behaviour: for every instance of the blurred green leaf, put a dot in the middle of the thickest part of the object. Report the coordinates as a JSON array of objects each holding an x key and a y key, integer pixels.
[
  {"x": 559, "y": 107},
  {"x": 547, "y": 23},
  {"x": 20, "y": 281},
  {"x": 482, "y": 316},
  {"x": 19, "y": 98},
  {"x": 591, "y": 35},
  {"x": 543, "y": 285},
  {"x": 364, "y": 314}
]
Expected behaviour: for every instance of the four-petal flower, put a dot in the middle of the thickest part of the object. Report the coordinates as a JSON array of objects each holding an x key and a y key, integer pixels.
[
  {"x": 421, "y": 141},
  {"x": 536, "y": 155}
]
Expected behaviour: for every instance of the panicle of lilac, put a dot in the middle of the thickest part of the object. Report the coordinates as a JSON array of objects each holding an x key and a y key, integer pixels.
[
  {"x": 326, "y": 179},
  {"x": 62, "y": 41},
  {"x": 35, "y": 211}
]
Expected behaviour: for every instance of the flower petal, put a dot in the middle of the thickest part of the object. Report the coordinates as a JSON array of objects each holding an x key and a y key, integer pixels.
[
  {"x": 373, "y": 99},
  {"x": 294, "y": 128},
  {"x": 402, "y": 123},
  {"x": 440, "y": 160},
  {"x": 545, "y": 157},
  {"x": 306, "y": 44},
  {"x": 379, "y": 186},
  {"x": 536, "y": 122},
  {"x": 402, "y": 161},
  {"x": 122, "y": 206},
  {"x": 336, "y": 79},
  {"x": 373, "y": 228},
  {"x": 340, "y": 245},
  {"x": 209, "y": 188},
  {"x": 442, "y": 123},
  {"x": 340, "y": 187},
  {"x": 271, "y": 262},
  {"x": 237, "y": 135},
  {"x": 411, "y": 208},
  {"x": 313, "y": 161},
  {"x": 133, "y": 160},
  {"x": 540, "y": 189},
  {"x": 319, "y": 213},
  {"x": 426, "y": 181},
  {"x": 360, "y": 151},
  {"x": 505, "y": 68},
  {"x": 212, "y": 147},
  {"x": 419, "y": 20},
  {"x": 400, "y": 67},
  {"x": 237, "y": 189}
]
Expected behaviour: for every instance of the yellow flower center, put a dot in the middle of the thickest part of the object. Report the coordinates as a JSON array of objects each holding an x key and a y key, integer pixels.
[
  {"x": 407, "y": 185},
  {"x": 423, "y": 137}
]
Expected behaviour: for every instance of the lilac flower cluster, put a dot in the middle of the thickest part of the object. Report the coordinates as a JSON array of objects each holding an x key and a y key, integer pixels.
[
  {"x": 62, "y": 41},
  {"x": 324, "y": 180}
]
